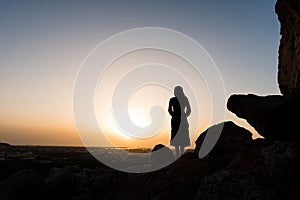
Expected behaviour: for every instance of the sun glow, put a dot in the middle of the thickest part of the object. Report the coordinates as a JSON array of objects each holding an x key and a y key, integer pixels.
[{"x": 139, "y": 117}]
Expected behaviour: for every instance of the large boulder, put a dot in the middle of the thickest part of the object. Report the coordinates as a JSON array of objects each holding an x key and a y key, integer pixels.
[
  {"x": 161, "y": 156},
  {"x": 289, "y": 50},
  {"x": 273, "y": 117},
  {"x": 225, "y": 137}
]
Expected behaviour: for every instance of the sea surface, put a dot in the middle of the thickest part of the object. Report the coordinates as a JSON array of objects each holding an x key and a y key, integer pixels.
[
  {"x": 126, "y": 159},
  {"x": 121, "y": 158}
]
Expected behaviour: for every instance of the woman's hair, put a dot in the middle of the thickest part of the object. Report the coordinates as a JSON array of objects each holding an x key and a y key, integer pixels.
[{"x": 178, "y": 92}]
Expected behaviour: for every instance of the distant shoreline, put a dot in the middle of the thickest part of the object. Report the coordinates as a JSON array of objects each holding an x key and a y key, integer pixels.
[{"x": 131, "y": 149}]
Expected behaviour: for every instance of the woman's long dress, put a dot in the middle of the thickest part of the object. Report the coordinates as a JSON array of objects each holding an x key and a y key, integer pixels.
[{"x": 179, "y": 123}]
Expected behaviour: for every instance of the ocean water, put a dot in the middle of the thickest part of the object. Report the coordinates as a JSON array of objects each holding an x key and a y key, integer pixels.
[
  {"x": 131, "y": 160},
  {"x": 136, "y": 160}
]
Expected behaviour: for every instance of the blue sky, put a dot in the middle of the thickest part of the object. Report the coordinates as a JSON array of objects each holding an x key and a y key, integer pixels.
[{"x": 44, "y": 42}]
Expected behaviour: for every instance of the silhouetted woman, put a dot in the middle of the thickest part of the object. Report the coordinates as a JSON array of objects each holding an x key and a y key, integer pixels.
[{"x": 179, "y": 109}]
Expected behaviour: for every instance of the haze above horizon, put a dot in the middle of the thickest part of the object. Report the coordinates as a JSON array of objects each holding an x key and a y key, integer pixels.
[{"x": 43, "y": 46}]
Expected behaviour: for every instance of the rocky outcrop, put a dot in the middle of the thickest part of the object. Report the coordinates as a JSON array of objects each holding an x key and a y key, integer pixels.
[
  {"x": 263, "y": 169},
  {"x": 231, "y": 138},
  {"x": 289, "y": 50},
  {"x": 25, "y": 184},
  {"x": 274, "y": 116},
  {"x": 62, "y": 181},
  {"x": 230, "y": 184},
  {"x": 255, "y": 169},
  {"x": 282, "y": 161}
]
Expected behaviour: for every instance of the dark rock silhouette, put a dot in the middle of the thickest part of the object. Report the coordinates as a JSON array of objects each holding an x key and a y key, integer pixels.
[
  {"x": 158, "y": 147},
  {"x": 230, "y": 184},
  {"x": 289, "y": 50},
  {"x": 161, "y": 155},
  {"x": 4, "y": 146},
  {"x": 62, "y": 181},
  {"x": 274, "y": 116},
  {"x": 273, "y": 162},
  {"x": 282, "y": 161},
  {"x": 23, "y": 185},
  {"x": 231, "y": 140},
  {"x": 257, "y": 168}
]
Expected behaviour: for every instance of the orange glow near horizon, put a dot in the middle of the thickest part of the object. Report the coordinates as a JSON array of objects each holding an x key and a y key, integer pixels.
[
  {"x": 44, "y": 46},
  {"x": 50, "y": 135},
  {"x": 50, "y": 123}
]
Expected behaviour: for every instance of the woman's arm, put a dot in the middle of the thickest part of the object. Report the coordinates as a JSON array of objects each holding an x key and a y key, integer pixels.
[
  {"x": 188, "y": 108},
  {"x": 170, "y": 109}
]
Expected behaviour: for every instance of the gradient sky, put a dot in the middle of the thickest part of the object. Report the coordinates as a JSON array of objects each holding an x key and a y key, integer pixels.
[{"x": 43, "y": 44}]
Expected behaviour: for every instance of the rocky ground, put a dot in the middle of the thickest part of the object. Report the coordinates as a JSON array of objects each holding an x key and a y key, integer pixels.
[{"x": 249, "y": 169}]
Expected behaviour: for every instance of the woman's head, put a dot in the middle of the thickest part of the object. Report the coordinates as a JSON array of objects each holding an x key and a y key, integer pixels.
[{"x": 178, "y": 91}]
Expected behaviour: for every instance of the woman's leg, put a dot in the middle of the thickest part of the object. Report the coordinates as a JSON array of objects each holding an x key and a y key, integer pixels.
[
  {"x": 181, "y": 150},
  {"x": 177, "y": 150}
]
